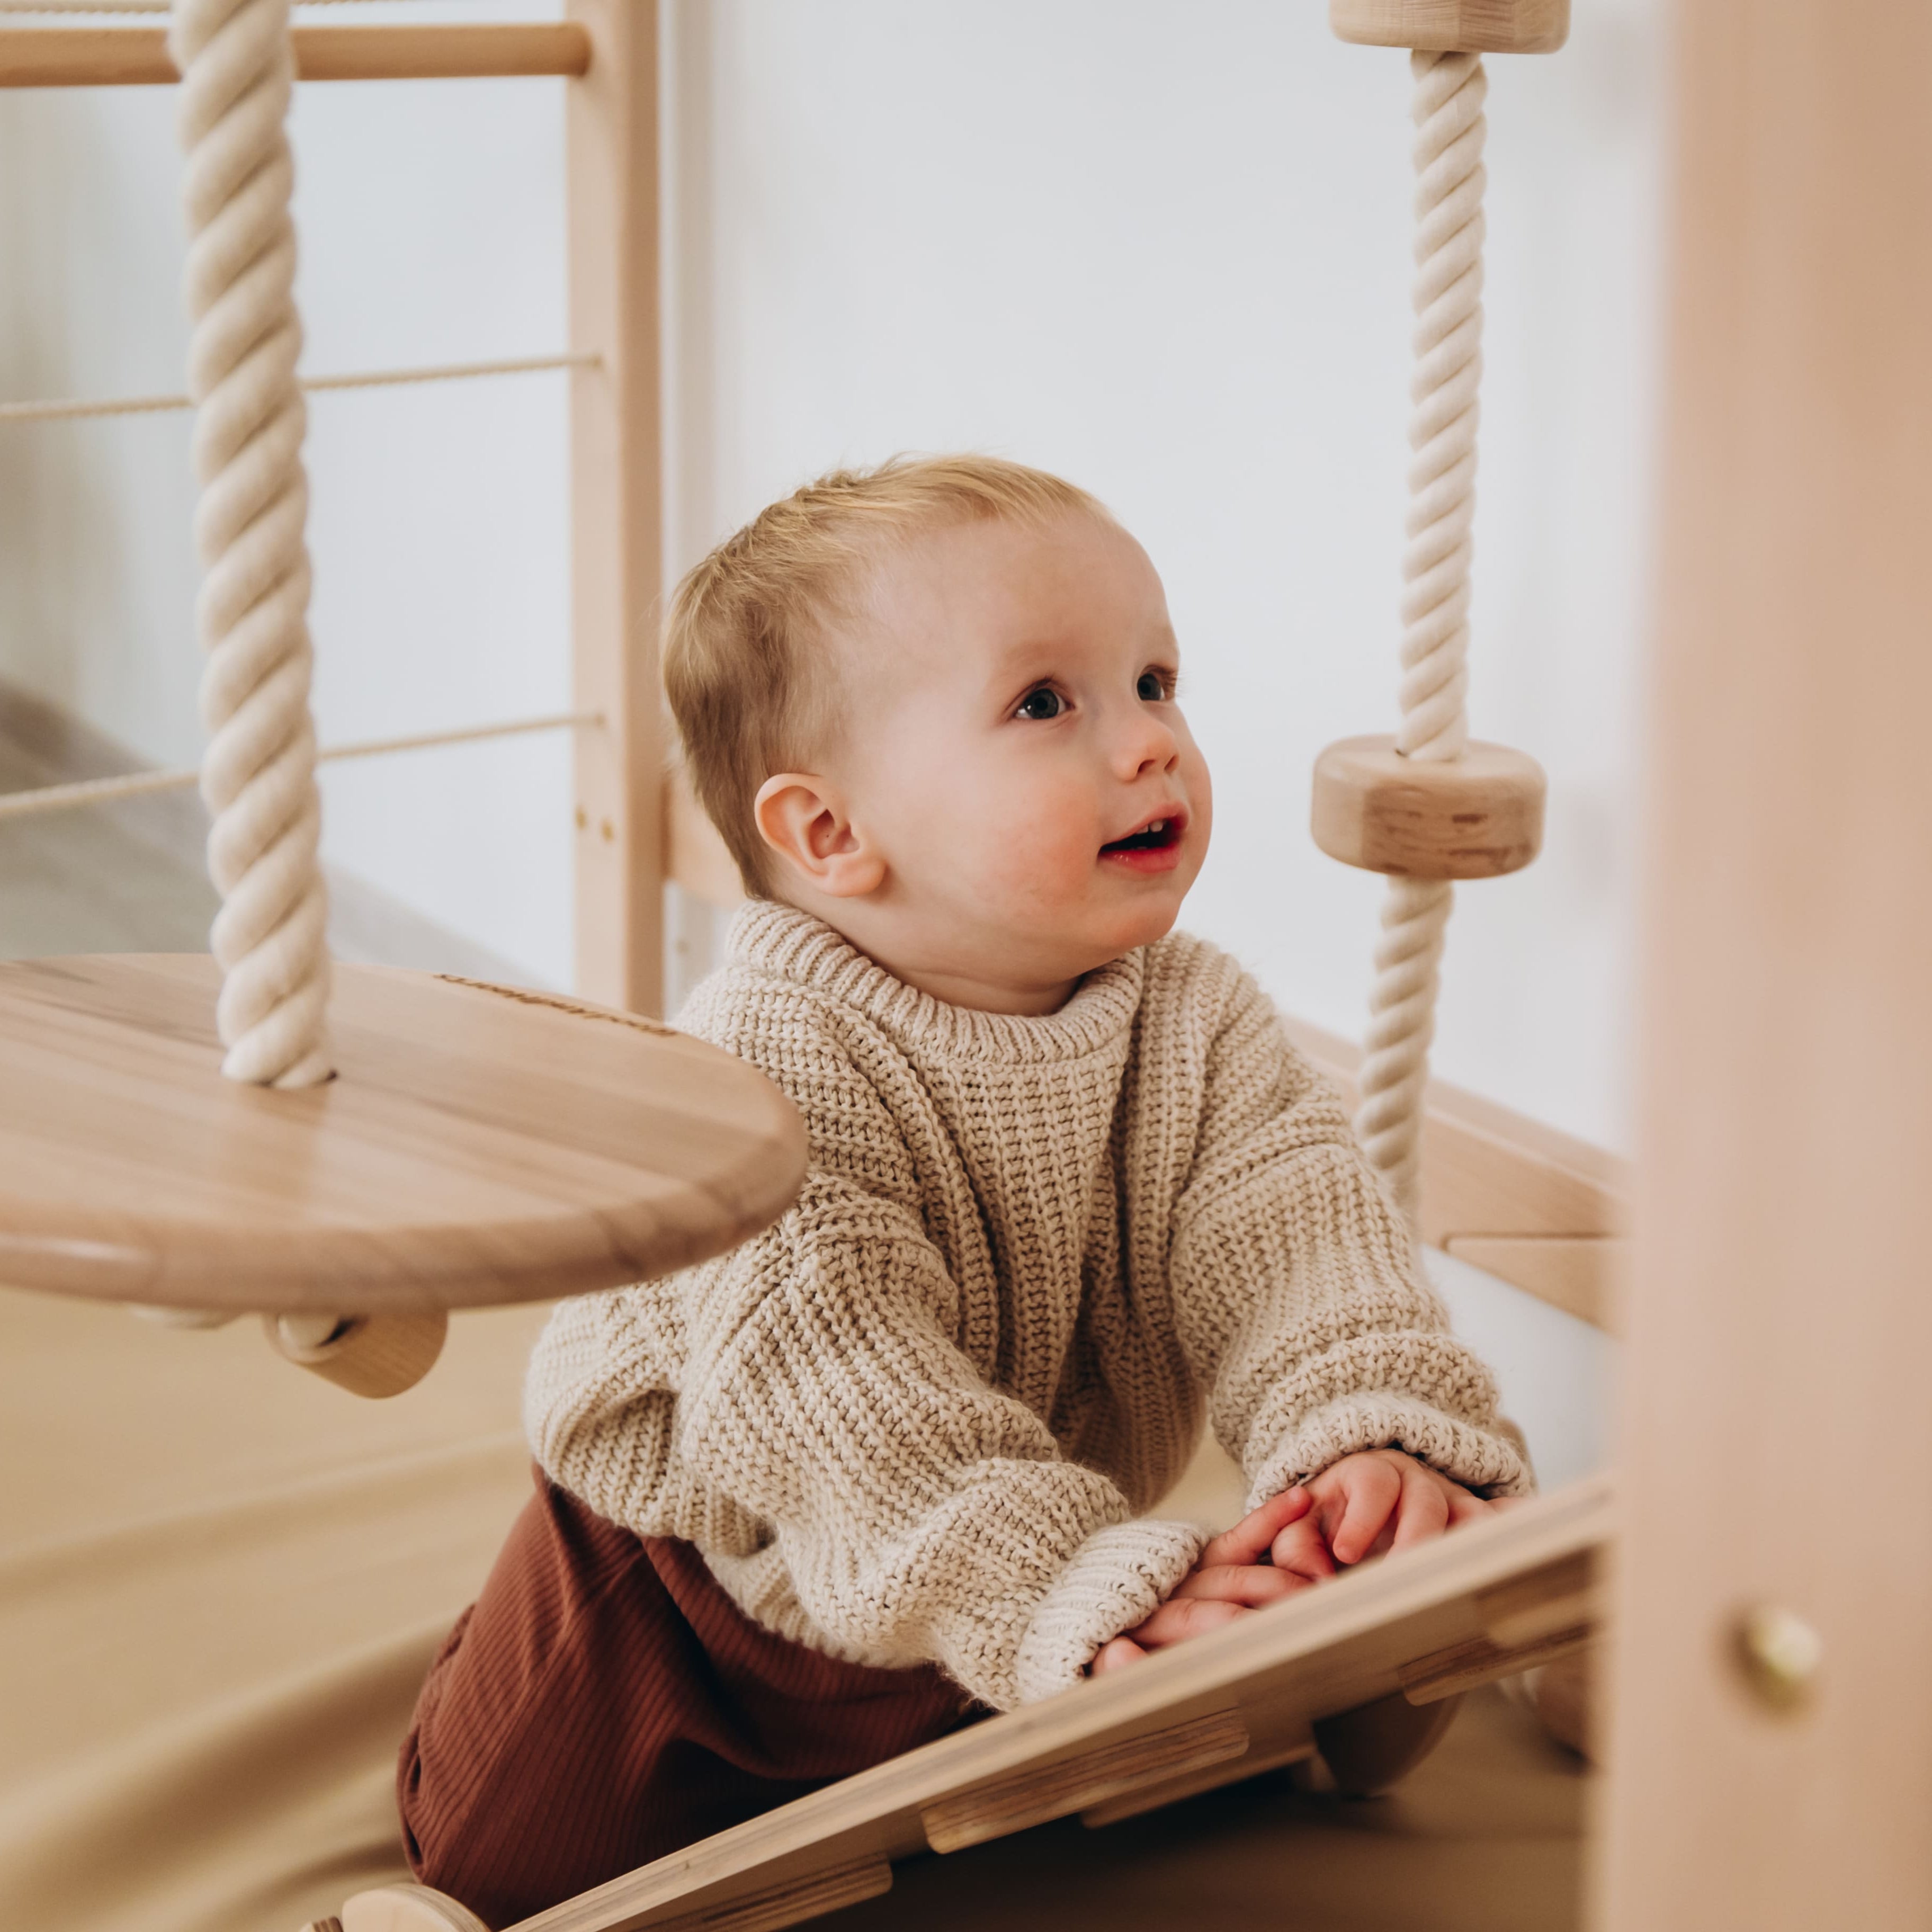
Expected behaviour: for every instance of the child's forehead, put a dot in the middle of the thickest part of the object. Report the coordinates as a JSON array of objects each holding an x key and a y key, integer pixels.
[{"x": 993, "y": 584}]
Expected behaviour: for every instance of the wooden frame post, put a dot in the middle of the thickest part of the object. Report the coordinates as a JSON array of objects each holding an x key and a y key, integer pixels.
[
  {"x": 1771, "y": 1740},
  {"x": 616, "y": 502}
]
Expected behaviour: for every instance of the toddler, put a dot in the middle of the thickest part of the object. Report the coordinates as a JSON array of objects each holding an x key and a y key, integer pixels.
[{"x": 1071, "y": 1193}]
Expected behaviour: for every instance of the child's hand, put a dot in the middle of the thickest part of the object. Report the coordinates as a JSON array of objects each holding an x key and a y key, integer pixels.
[
  {"x": 1367, "y": 1504},
  {"x": 1231, "y": 1577}
]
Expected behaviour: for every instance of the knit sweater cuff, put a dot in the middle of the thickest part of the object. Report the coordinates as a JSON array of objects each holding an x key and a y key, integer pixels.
[
  {"x": 1479, "y": 1458},
  {"x": 1116, "y": 1578}
]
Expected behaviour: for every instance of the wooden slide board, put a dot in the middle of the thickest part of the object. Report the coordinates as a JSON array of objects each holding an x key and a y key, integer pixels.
[{"x": 1490, "y": 1600}]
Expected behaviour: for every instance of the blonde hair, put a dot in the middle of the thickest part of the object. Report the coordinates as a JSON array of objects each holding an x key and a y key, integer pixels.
[{"x": 746, "y": 639}]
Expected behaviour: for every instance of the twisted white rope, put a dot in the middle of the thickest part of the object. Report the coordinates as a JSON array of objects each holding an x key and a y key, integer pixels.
[
  {"x": 258, "y": 775},
  {"x": 1450, "y": 91}
]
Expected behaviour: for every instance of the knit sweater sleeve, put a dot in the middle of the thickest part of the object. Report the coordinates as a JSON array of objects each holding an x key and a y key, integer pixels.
[
  {"x": 921, "y": 1513},
  {"x": 1300, "y": 1297}
]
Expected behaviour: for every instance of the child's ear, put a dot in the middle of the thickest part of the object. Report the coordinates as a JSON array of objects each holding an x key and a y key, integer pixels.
[{"x": 803, "y": 819}]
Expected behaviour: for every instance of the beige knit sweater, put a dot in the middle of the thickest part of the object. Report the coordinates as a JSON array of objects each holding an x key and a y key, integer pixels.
[{"x": 915, "y": 1418}]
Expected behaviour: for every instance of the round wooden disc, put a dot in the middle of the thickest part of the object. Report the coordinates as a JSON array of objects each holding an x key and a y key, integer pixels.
[
  {"x": 1476, "y": 817},
  {"x": 1453, "y": 26},
  {"x": 479, "y": 1144}
]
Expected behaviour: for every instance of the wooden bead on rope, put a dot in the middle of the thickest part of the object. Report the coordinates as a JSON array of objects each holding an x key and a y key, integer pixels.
[
  {"x": 373, "y": 1355},
  {"x": 1476, "y": 817},
  {"x": 1453, "y": 26}
]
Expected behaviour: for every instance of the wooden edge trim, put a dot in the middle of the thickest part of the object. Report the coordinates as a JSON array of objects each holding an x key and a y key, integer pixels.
[
  {"x": 1171, "y": 1791},
  {"x": 786, "y": 1904},
  {"x": 1467, "y": 1666},
  {"x": 1037, "y": 1794},
  {"x": 138, "y": 56}
]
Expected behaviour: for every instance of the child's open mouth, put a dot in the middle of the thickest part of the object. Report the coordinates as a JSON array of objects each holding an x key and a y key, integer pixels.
[{"x": 1155, "y": 847}]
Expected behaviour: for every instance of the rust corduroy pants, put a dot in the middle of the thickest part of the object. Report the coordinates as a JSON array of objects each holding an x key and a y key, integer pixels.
[{"x": 603, "y": 1702}]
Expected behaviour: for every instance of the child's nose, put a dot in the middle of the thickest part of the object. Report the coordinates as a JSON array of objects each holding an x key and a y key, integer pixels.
[{"x": 1146, "y": 745}]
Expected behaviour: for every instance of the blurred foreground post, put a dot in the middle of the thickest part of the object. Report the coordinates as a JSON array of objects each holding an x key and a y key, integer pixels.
[{"x": 1772, "y": 1743}]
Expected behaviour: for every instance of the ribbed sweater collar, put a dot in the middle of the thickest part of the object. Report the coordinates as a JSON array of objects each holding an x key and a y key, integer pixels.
[{"x": 795, "y": 946}]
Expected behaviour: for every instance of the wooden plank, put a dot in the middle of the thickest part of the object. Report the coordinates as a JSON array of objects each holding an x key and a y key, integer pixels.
[
  {"x": 482, "y": 1145},
  {"x": 1318, "y": 1654},
  {"x": 1468, "y": 1667},
  {"x": 1038, "y": 1793},
  {"x": 1581, "y": 1274},
  {"x": 616, "y": 505},
  {"x": 1780, "y": 1323},
  {"x": 1531, "y": 1204},
  {"x": 138, "y": 56},
  {"x": 791, "y": 1904},
  {"x": 1212, "y": 1778}
]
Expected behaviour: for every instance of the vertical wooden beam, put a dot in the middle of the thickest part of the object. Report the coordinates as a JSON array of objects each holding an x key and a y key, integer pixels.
[
  {"x": 1781, "y": 1316},
  {"x": 616, "y": 504}
]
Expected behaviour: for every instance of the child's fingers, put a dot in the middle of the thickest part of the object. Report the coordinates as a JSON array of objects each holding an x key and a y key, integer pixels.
[
  {"x": 1113, "y": 1655},
  {"x": 1465, "y": 1506},
  {"x": 1422, "y": 1510},
  {"x": 1180, "y": 1617},
  {"x": 1253, "y": 1584},
  {"x": 1371, "y": 1487},
  {"x": 1299, "y": 1551},
  {"x": 1252, "y": 1535}
]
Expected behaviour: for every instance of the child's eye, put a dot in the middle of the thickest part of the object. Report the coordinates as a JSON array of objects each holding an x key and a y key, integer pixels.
[
  {"x": 1152, "y": 689},
  {"x": 1041, "y": 704}
]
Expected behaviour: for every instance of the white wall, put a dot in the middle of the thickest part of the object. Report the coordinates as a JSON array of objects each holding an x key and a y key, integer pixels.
[
  {"x": 1164, "y": 248},
  {"x": 430, "y": 217},
  {"x": 1161, "y": 247}
]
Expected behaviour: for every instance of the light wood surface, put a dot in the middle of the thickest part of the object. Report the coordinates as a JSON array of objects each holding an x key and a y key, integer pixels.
[
  {"x": 1583, "y": 1274},
  {"x": 1330, "y": 1650},
  {"x": 1171, "y": 1789},
  {"x": 1036, "y": 1794},
  {"x": 790, "y": 1904},
  {"x": 1454, "y": 26},
  {"x": 138, "y": 56},
  {"x": 374, "y": 1356},
  {"x": 616, "y": 505},
  {"x": 1476, "y": 817},
  {"x": 408, "y": 1908},
  {"x": 482, "y": 1144},
  {"x": 1780, "y": 1323},
  {"x": 1531, "y": 1204}
]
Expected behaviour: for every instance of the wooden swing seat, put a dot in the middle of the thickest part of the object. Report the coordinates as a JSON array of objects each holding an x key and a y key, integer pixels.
[{"x": 482, "y": 1145}]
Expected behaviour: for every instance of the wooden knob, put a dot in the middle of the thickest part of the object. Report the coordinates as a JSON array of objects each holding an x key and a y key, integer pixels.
[
  {"x": 373, "y": 1355},
  {"x": 1453, "y": 26},
  {"x": 408, "y": 1908},
  {"x": 1475, "y": 817}
]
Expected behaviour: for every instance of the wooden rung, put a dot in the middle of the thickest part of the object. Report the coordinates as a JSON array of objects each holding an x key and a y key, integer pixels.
[
  {"x": 1454, "y": 26},
  {"x": 1210, "y": 1778},
  {"x": 1041, "y": 1793},
  {"x": 329, "y": 1924},
  {"x": 138, "y": 56},
  {"x": 1467, "y": 1666},
  {"x": 1526, "y": 1608},
  {"x": 790, "y": 1904}
]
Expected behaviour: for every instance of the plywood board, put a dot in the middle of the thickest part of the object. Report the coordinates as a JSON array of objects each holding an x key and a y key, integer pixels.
[
  {"x": 481, "y": 1144},
  {"x": 1331, "y": 1649}
]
